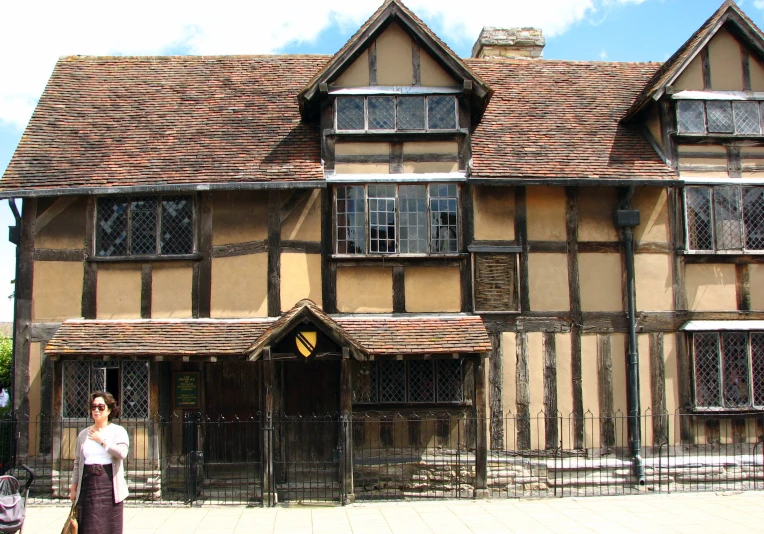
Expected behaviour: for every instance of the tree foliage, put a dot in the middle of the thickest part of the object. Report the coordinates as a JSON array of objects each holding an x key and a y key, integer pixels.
[{"x": 6, "y": 351}]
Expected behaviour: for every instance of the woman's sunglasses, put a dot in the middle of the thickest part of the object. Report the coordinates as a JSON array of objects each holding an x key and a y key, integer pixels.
[{"x": 99, "y": 407}]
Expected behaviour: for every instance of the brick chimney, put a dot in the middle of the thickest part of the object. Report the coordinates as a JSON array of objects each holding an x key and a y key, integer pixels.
[{"x": 519, "y": 43}]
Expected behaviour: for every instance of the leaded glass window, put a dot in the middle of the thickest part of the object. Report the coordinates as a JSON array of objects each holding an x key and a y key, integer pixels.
[
  {"x": 351, "y": 220},
  {"x": 415, "y": 381},
  {"x": 728, "y": 369},
  {"x": 145, "y": 226},
  {"x": 397, "y": 219},
  {"x": 739, "y": 117},
  {"x": 725, "y": 218},
  {"x": 127, "y": 381},
  {"x": 387, "y": 113}
]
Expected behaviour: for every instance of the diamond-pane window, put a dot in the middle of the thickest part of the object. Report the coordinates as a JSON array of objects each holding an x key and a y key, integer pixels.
[
  {"x": 753, "y": 217},
  {"x": 441, "y": 112},
  {"x": 421, "y": 381},
  {"x": 699, "y": 233},
  {"x": 443, "y": 218},
  {"x": 413, "y": 219},
  {"x": 177, "y": 225},
  {"x": 135, "y": 389},
  {"x": 736, "y": 386},
  {"x": 135, "y": 227},
  {"x": 757, "y": 367},
  {"x": 351, "y": 220},
  {"x": 111, "y": 227},
  {"x": 450, "y": 381},
  {"x": 746, "y": 117},
  {"x": 76, "y": 390},
  {"x": 365, "y": 383},
  {"x": 392, "y": 381},
  {"x": 707, "y": 376},
  {"x": 411, "y": 113},
  {"x": 381, "y": 112},
  {"x": 690, "y": 116},
  {"x": 719, "y": 115},
  {"x": 381, "y": 218},
  {"x": 728, "y": 218},
  {"x": 143, "y": 226},
  {"x": 350, "y": 113}
]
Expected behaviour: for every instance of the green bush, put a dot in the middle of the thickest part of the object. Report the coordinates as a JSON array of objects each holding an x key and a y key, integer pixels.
[{"x": 6, "y": 351}]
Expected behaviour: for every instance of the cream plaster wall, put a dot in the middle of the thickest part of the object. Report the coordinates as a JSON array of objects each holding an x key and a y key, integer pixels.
[
  {"x": 672, "y": 377},
  {"x": 434, "y": 288},
  {"x": 509, "y": 389},
  {"x": 725, "y": 62},
  {"x": 536, "y": 388},
  {"x": 430, "y": 166},
  {"x": 652, "y": 203},
  {"x": 431, "y": 147},
  {"x": 564, "y": 381},
  {"x": 600, "y": 282},
  {"x": 546, "y": 213},
  {"x": 596, "y": 206},
  {"x": 590, "y": 391},
  {"x": 618, "y": 357},
  {"x": 394, "y": 65},
  {"x": 56, "y": 291},
  {"x": 118, "y": 291},
  {"x": 691, "y": 78},
  {"x": 364, "y": 289},
  {"x": 362, "y": 168},
  {"x": 300, "y": 279},
  {"x": 66, "y": 231},
  {"x": 756, "y": 284},
  {"x": 494, "y": 213},
  {"x": 240, "y": 286},
  {"x": 352, "y": 148},
  {"x": 239, "y": 217},
  {"x": 356, "y": 74},
  {"x": 304, "y": 223},
  {"x": 757, "y": 73},
  {"x": 548, "y": 282},
  {"x": 431, "y": 74},
  {"x": 654, "y": 282},
  {"x": 35, "y": 400},
  {"x": 171, "y": 288},
  {"x": 710, "y": 287},
  {"x": 653, "y": 122},
  {"x": 645, "y": 386}
]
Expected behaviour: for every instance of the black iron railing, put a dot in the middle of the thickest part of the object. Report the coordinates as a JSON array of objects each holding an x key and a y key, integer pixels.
[{"x": 401, "y": 455}]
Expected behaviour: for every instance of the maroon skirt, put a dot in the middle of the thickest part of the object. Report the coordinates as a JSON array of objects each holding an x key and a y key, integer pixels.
[{"x": 98, "y": 513}]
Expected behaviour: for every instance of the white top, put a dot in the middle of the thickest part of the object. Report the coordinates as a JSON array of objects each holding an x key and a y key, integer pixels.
[{"x": 95, "y": 453}]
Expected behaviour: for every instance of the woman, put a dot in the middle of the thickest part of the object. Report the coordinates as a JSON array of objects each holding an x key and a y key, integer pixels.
[{"x": 98, "y": 483}]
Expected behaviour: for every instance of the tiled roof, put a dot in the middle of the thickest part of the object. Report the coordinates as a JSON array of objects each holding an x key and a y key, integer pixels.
[
  {"x": 420, "y": 335},
  {"x": 375, "y": 335},
  {"x": 131, "y": 121},
  {"x": 690, "y": 48},
  {"x": 156, "y": 337},
  {"x": 560, "y": 119}
]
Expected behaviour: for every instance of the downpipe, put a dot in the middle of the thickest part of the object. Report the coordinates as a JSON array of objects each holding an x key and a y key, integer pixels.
[{"x": 627, "y": 219}]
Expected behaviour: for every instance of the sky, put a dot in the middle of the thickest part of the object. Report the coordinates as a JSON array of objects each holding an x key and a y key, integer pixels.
[{"x": 35, "y": 33}]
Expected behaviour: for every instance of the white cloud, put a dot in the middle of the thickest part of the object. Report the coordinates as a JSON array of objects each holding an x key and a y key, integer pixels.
[
  {"x": 33, "y": 34},
  {"x": 603, "y": 55}
]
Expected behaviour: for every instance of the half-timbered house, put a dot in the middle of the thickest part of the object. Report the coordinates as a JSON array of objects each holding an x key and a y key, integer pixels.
[{"x": 367, "y": 268}]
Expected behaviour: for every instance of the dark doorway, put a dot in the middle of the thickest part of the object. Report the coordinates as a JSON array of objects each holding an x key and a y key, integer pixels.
[{"x": 308, "y": 453}]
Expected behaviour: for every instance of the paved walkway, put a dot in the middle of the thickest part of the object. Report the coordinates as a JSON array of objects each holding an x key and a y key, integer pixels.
[{"x": 696, "y": 513}]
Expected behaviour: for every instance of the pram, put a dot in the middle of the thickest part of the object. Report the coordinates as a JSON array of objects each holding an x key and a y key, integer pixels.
[{"x": 12, "y": 505}]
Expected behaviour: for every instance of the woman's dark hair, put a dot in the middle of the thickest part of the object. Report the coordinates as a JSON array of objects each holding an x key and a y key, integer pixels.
[{"x": 108, "y": 398}]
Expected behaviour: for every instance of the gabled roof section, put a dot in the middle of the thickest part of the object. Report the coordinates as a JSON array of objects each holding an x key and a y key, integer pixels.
[
  {"x": 393, "y": 11},
  {"x": 728, "y": 13},
  {"x": 305, "y": 309}
]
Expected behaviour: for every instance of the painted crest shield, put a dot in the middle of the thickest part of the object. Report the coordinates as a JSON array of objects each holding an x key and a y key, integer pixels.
[{"x": 306, "y": 342}]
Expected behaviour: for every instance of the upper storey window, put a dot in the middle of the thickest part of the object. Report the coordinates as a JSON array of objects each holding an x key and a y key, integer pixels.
[
  {"x": 396, "y": 113},
  {"x": 719, "y": 117},
  {"x": 397, "y": 219},
  {"x": 145, "y": 226},
  {"x": 725, "y": 218}
]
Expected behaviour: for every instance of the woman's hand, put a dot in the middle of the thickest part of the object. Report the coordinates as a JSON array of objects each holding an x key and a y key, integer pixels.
[
  {"x": 73, "y": 492},
  {"x": 96, "y": 436}
]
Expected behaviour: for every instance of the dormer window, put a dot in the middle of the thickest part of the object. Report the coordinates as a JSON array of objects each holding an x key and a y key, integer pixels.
[
  {"x": 385, "y": 113},
  {"x": 718, "y": 117}
]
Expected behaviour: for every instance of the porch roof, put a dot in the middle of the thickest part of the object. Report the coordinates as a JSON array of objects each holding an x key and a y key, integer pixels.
[{"x": 375, "y": 335}]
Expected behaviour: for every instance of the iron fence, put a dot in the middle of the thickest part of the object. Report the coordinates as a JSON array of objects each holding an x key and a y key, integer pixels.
[{"x": 402, "y": 455}]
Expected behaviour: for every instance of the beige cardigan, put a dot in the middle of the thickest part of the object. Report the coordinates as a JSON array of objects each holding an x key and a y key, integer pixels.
[{"x": 117, "y": 443}]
